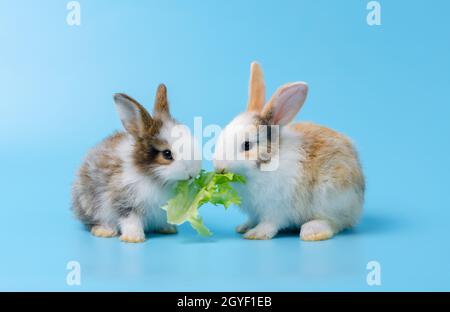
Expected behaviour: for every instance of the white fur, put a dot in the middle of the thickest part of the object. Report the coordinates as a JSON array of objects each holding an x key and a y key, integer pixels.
[
  {"x": 146, "y": 192},
  {"x": 185, "y": 151},
  {"x": 230, "y": 140},
  {"x": 268, "y": 196},
  {"x": 279, "y": 199},
  {"x": 131, "y": 229}
]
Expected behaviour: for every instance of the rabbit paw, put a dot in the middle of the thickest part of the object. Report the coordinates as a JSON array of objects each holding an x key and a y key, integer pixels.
[
  {"x": 262, "y": 231},
  {"x": 103, "y": 231},
  {"x": 316, "y": 230},
  {"x": 132, "y": 230},
  {"x": 132, "y": 238}
]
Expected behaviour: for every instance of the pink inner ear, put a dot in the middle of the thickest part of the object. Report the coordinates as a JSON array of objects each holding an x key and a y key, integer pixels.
[{"x": 289, "y": 101}]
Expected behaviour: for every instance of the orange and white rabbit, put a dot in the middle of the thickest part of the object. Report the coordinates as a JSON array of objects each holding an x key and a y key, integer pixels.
[{"x": 299, "y": 175}]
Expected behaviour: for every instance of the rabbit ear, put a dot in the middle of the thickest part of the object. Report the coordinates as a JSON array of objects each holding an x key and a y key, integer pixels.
[
  {"x": 285, "y": 103},
  {"x": 133, "y": 115},
  {"x": 161, "y": 103},
  {"x": 257, "y": 89}
]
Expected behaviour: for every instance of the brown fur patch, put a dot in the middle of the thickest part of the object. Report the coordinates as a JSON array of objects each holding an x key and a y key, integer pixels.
[
  {"x": 109, "y": 163},
  {"x": 257, "y": 89},
  {"x": 160, "y": 160},
  {"x": 266, "y": 150},
  {"x": 265, "y": 119},
  {"x": 147, "y": 150},
  {"x": 161, "y": 106},
  {"x": 95, "y": 175},
  {"x": 329, "y": 154}
]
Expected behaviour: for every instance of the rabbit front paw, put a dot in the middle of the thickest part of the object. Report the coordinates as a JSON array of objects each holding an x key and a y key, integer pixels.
[
  {"x": 262, "y": 231},
  {"x": 132, "y": 230},
  {"x": 103, "y": 231},
  {"x": 132, "y": 238}
]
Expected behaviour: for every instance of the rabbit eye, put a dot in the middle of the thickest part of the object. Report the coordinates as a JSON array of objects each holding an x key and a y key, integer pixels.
[
  {"x": 246, "y": 146},
  {"x": 167, "y": 154}
]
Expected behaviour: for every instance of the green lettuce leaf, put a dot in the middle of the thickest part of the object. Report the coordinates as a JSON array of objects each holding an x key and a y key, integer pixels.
[{"x": 190, "y": 195}]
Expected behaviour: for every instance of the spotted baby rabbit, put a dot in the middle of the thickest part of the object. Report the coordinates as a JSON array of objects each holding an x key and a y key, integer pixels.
[
  {"x": 126, "y": 178},
  {"x": 301, "y": 175}
]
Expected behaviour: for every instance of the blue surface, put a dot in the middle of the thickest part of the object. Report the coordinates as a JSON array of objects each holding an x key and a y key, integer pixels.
[{"x": 387, "y": 87}]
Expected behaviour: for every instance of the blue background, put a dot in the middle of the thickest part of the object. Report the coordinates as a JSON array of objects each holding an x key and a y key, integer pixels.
[{"x": 387, "y": 87}]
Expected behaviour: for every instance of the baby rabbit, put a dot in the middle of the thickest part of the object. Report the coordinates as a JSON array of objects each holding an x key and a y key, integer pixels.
[
  {"x": 126, "y": 178},
  {"x": 301, "y": 175}
]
